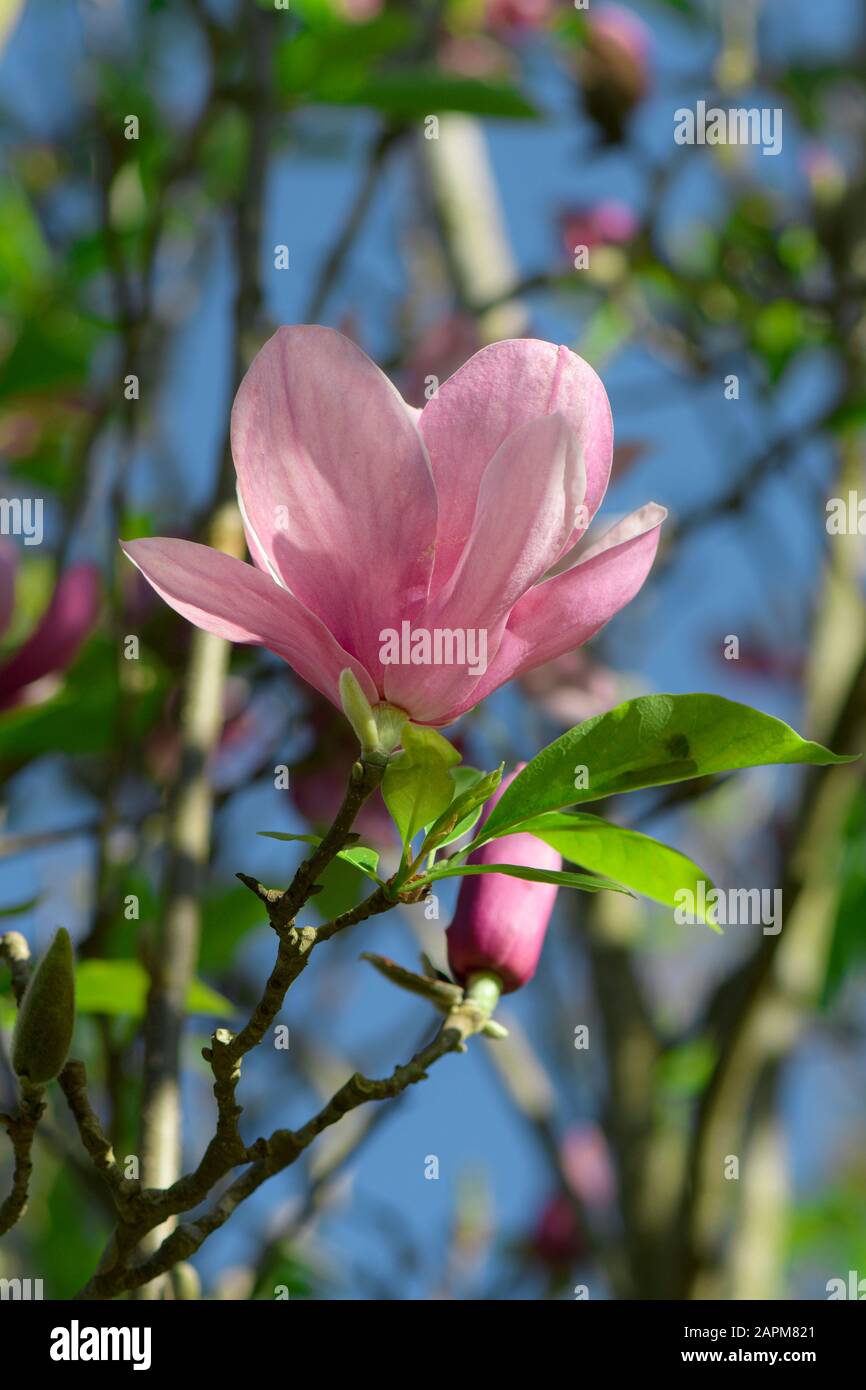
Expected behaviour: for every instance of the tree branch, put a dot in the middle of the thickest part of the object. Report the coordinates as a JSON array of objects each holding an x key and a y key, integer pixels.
[{"x": 282, "y": 1149}]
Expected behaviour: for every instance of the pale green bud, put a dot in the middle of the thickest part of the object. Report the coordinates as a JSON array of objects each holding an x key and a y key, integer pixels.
[
  {"x": 358, "y": 711},
  {"x": 378, "y": 727},
  {"x": 46, "y": 1018}
]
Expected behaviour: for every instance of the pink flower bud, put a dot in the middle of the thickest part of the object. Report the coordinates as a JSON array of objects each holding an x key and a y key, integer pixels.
[
  {"x": 606, "y": 223},
  {"x": 360, "y": 11},
  {"x": 8, "y": 566},
  {"x": 621, "y": 30},
  {"x": 572, "y": 688},
  {"x": 60, "y": 632},
  {"x": 614, "y": 67},
  {"x": 557, "y": 1240},
  {"x": 587, "y": 1163},
  {"x": 518, "y": 14},
  {"x": 500, "y": 922}
]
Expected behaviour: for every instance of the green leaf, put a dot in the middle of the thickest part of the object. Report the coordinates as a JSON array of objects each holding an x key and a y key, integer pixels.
[
  {"x": 342, "y": 887},
  {"x": 18, "y": 909},
  {"x": 417, "y": 785},
  {"x": 473, "y": 789},
  {"x": 121, "y": 986},
  {"x": 559, "y": 876},
  {"x": 228, "y": 914},
  {"x": 360, "y": 856},
  {"x": 649, "y": 867},
  {"x": 649, "y": 742},
  {"x": 283, "y": 835},
  {"x": 410, "y": 93},
  {"x": 685, "y": 1070}
]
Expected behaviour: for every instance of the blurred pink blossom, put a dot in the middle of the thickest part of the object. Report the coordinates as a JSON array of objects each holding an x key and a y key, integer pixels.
[
  {"x": 439, "y": 352},
  {"x": 620, "y": 29},
  {"x": 588, "y": 1166},
  {"x": 606, "y": 223},
  {"x": 57, "y": 637},
  {"x": 360, "y": 11},
  {"x": 473, "y": 55},
  {"x": 572, "y": 688},
  {"x": 518, "y": 14},
  {"x": 614, "y": 67},
  {"x": 826, "y": 174},
  {"x": 254, "y": 722},
  {"x": 557, "y": 1239}
]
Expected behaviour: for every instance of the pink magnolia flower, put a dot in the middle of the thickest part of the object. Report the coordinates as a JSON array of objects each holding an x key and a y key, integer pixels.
[
  {"x": 472, "y": 55},
  {"x": 588, "y": 1166},
  {"x": 825, "y": 172},
  {"x": 607, "y": 223},
  {"x": 367, "y": 518},
  {"x": 440, "y": 350},
  {"x": 518, "y": 14},
  {"x": 557, "y": 1239},
  {"x": 360, "y": 11},
  {"x": 54, "y": 642},
  {"x": 617, "y": 28},
  {"x": 500, "y": 922},
  {"x": 572, "y": 688}
]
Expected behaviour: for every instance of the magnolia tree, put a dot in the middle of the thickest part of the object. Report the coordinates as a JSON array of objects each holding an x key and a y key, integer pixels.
[{"x": 366, "y": 519}]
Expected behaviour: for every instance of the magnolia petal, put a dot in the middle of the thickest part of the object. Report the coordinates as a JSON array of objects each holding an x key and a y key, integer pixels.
[
  {"x": 501, "y": 388},
  {"x": 562, "y": 613},
  {"x": 527, "y": 502},
  {"x": 637, "y": 523},
  {"x": 336, "y": 484},
  {"x": 239, "y": 603}
]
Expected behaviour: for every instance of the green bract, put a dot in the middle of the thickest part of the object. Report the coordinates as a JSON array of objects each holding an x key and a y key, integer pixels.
[{"x": 417, "y": 786}]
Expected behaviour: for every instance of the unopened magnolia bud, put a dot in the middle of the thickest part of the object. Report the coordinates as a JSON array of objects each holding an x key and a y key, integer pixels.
[
  {"x": 500, "y": 922},
  {"x": 46, "y": 1018}
]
